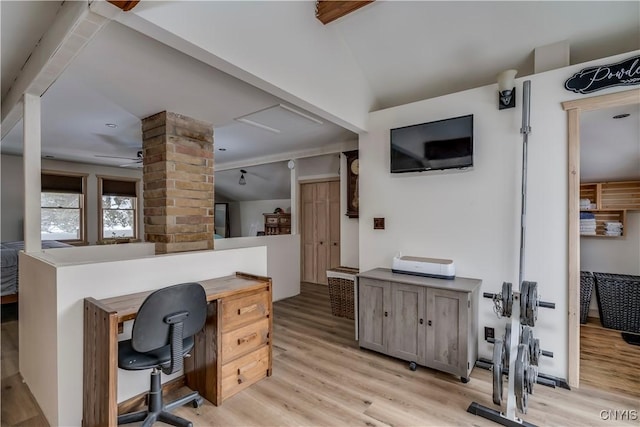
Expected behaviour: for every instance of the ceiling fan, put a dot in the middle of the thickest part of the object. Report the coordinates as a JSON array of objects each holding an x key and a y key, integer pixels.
[{"x": 137, "y": 161}]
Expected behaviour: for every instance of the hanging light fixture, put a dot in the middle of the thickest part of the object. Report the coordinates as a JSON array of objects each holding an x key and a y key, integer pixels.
[
  {"x": 507, "y": 89},
  {"x": 242, "y": 180}
]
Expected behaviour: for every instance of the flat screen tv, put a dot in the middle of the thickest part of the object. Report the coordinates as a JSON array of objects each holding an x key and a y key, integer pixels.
[{"x": 443, "y": 144}]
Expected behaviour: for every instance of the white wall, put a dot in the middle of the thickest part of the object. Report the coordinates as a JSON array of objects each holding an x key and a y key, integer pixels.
[
  {"x": 13, "y": 193},
  {"x": 51, "y": 315},
  {"x": 472, "y": 216},
  {"x": 251, "y": 214},
  {"x": 283, "y": 260}
]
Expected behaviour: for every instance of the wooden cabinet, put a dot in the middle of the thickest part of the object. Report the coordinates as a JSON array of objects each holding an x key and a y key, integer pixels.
[
  {"x": 275, "y": 224},
  {"x": 610, "y": 202},
  {"x": 245, "y": 341},
  {"x": 320, "y": 229},
  {"x": 428, "y": 321}
]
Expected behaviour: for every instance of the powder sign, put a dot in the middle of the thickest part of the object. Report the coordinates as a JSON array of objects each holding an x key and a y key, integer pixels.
[{"x": 625, "y": 73}]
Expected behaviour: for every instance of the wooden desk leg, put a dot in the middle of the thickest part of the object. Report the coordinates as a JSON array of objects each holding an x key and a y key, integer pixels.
[
  {"x": 202, "y": 369},
  {"x": 100, "y": 386}
]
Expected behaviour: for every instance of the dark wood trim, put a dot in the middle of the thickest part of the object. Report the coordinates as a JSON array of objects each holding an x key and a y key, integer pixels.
[
  {"x": 9, "y": 299},
  {"x": 123, "y": 4},
  {"x": 330, "y": 10}
]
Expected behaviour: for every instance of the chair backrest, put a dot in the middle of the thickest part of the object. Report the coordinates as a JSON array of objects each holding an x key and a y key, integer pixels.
[{"x": 150, "y": 328}]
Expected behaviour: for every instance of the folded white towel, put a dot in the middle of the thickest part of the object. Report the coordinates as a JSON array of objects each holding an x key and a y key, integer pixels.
[
  {"x": 588, "y": 233},
  {"x": 613, "y": 224}
]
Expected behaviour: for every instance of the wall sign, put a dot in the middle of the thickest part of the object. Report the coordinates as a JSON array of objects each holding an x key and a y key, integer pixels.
[{"x": 625, "y": 73}]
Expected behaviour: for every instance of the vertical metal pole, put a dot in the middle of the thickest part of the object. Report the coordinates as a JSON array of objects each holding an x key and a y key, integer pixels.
[{"x": 515, "y": 313}]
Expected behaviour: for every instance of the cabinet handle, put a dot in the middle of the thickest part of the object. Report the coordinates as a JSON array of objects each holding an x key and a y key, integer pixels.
[
  {"x": 335, "y": 244},
  {"x": 247, "y": 309},
  {"x": 429, "y": 323},
  {"x": 247, "y": 338},
  {"x": 386, "y": 314},
  {"x": 421, "y": 321}
]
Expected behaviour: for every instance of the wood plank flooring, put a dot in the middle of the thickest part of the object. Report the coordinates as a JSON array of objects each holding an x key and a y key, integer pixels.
[
  {"x": 321, "y": 378},
  {"x": 607, "y": 361}
]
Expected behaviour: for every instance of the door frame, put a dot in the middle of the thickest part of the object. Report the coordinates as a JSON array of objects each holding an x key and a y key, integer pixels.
[{"x": 574, "y": 109}]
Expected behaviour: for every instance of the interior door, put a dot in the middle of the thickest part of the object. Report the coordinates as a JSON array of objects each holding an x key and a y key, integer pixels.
[
  {"x": 307, "y": 196},
  {"x": 322, "y": 220},
  {"x": 334, "y": 224}
]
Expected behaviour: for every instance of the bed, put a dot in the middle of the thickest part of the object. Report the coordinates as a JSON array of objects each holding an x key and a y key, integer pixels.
[{"x": 9, "y": 270}]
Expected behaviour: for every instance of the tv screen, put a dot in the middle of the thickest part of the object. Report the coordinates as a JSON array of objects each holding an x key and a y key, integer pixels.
[{"x": 444, "y": 144}]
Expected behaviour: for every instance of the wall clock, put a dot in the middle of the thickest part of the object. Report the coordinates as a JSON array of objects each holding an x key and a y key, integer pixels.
[{"x": 353, "y": 171}]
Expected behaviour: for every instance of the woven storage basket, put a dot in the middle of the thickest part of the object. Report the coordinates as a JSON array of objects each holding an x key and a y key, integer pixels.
[
  {"x": 341, "y": 282},
  {"x": 586, "y": 290},
  {"x": 618, "y": 301}
]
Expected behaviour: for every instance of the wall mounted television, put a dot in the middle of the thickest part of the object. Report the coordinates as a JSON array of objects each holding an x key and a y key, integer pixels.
[{"x": 443, "y": 144}]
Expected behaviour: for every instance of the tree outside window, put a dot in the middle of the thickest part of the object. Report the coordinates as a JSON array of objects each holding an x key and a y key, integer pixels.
[
  {"x": 61, "y": 216},
  {"x": 118, "y": 217}
]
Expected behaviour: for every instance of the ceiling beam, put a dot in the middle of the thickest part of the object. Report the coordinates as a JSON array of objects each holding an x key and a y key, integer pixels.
[
  {"x": 330, "y": 10},
  {"x": 124, "y": 5}
]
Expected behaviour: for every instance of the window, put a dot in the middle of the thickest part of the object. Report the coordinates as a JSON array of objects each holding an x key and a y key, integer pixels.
[
  {"x": 118, "y": 208},
  {"x": 62, "y": 201}
]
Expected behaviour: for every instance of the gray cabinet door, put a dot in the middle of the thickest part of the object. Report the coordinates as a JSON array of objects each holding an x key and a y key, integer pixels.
[
  {"x": 373, "y": 314},
  {"x": 447, "y": 317},
  {"x": 407, "y": 338}
]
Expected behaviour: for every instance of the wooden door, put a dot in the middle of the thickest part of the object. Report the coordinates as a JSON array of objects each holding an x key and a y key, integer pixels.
[
  {"x": 447, "y": 317},
  {"x": 322, "y": 218},
  {"x": 407, "y": 339},
  {"x": 320, "y": 229},
  {"x": 373, "y": 314},
  {"x": 308, "y": 255}
]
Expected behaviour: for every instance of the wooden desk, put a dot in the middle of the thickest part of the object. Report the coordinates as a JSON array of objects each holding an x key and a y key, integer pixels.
[{"x": 232, "y": 351}]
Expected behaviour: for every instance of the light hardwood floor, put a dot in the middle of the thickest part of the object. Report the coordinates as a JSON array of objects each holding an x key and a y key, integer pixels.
[{"x": 321, "y": 378}]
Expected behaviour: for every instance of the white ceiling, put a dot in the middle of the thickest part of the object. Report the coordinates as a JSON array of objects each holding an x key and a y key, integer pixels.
[
  {"x": 271, "y": 181},
  {"x": 610, "y": 148},
  {"x": 407, "y": 51}
]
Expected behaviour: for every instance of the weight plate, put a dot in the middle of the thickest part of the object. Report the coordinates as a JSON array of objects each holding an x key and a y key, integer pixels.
[
  {"x": 521, "y": 385},
  {"x": 507, "y": 299},
  {"x": 498, "y": 349},
  {"x": 533, "y": 303},
  {"x": 536, "y": 352},
  {"x": 532, "y": 377},
  {"x": 506, "y": 352},
  {"x": 524, "y": 298}
]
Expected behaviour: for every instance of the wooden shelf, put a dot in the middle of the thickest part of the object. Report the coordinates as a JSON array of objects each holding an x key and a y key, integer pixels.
[{"x": 612, "y": 199}]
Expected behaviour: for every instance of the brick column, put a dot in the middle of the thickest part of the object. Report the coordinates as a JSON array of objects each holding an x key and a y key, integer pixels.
[{"x": 178, "y": 182}]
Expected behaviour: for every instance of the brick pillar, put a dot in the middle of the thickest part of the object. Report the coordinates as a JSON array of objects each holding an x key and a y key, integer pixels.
[{"x": 178, "y": 183}]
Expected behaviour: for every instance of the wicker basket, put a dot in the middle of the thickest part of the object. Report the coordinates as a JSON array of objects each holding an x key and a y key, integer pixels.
[
  {"x": 618, "y": 301},
  {"x": 341, "y": 282},
  {"x": 586, "y": 290}
]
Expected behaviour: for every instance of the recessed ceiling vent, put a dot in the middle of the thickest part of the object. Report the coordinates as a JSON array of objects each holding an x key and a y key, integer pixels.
[{"x": 281, "y": 119}]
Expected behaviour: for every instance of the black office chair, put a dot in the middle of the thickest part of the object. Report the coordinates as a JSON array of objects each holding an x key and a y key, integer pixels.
[{"x": 162, "y": 335}]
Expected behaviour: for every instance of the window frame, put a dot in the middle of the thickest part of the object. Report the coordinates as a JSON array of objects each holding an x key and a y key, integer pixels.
[
  {"x": 82, "y": 241},
  {"x": 136, "y": 210}
]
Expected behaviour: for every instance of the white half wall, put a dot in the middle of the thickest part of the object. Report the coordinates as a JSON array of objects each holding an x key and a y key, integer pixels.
[
  {"x": 12, "y": 194},
  {"x": 52, "y": 321},
  {"x": 473, "y": 216},
  {"x": 283, "y": 260}
]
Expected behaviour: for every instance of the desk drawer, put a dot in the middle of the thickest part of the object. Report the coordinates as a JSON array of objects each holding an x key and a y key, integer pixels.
[
  {"x": 244, "y": 371},
  {"x": 245, "y": 309},
  {"x": 245, "y": 339}
]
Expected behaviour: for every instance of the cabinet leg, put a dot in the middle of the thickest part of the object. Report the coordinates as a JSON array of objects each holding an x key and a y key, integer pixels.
[
  {"x": 413, "y": 366},
  {"x": 464, "y": 380}
]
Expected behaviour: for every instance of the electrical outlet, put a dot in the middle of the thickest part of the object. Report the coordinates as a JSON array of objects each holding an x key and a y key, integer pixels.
[{"x": 489, "y": 333}]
